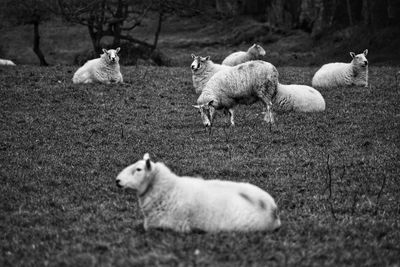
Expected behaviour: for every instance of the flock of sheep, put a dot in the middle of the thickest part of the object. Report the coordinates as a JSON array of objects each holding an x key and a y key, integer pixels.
[{"x": 188, "y": 204}]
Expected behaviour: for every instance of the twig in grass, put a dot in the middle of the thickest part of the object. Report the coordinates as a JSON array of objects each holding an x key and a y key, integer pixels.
[
  {"x": 379, "y": 194},
  {"x": 329, "y": 186},
  {"x": 122, "y": 132}
]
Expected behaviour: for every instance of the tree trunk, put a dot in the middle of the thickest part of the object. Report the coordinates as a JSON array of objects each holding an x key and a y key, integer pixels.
[
  {"x": 95, "y": 37},
  {"x": 36, "y": 44},
  {"x": 160, "y": 18},
  {"x": 349, "y": 12}
]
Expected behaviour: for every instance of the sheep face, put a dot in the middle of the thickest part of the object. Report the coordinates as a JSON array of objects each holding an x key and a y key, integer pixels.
[
  {"x": 199, "y": 63},
  {"x": 257, "y": 50},
  {"x": 111, "y": 55},
  {"x": 207, "y": 112},
  {"x": 136, "y": 176},
  {"x": 360, "y": 59}
]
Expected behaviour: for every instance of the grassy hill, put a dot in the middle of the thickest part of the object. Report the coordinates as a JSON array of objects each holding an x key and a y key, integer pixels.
[{"x": 334, "y": 175}]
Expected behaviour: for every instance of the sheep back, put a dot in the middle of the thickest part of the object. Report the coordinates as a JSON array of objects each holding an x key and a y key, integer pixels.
[
  {"x": 299, "y": 98},
  {"x": 242, "y": 84}
]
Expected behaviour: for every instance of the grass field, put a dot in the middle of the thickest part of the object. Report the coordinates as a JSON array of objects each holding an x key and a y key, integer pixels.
[{"x": 334, "y": 175}]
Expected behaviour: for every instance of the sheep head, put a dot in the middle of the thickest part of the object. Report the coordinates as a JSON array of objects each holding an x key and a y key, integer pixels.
[
  {"x": 207, "y": 112},
  {"x": 137, "y": 176},
  {"x": 111, "y": 55},
  {"x": 198, "y": 62},
  {"x": 360, "y": 59}
]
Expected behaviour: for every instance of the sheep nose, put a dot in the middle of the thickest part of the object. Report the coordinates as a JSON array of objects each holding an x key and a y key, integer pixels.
[
  {"x": 366, "y": 63},
  {"x": 193, "y": 67},
  {"x": 118, "y": 183}
]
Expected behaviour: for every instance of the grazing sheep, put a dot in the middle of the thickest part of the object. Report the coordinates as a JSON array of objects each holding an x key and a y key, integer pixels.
[
  {"x": 245, "y": 83},
  {"x": 186, "y": 204},
  {"x": 202, "y": 70},
  {"x": 6, "y": 62},
  {"x": 300, "y": 98},
  {"x": 253, "y": 53},
  {"x": 104, "y": 69},
  {"x": 343, "y": 74}
]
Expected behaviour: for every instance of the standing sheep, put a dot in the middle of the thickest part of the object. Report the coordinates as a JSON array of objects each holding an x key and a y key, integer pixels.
[
  {"x": 202, "y": 70},
  {"x": 6, "y": 62},
  {"x": 253, "y": 53},
  {"x": 186, "y": 204},
  {"x": 246, "y": 83},
  {"x": 343, "y": 74},
  {"x": 104, "y": 69},
  {"x": 293, "y": 97}
]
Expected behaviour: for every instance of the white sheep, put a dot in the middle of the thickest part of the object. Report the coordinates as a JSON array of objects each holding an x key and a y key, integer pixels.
[
  {"x": 186, "y": 204},
  {"x": 253, "y": 53},
  {"x": 202, "y": 70},
  {"x": 104, "y": 69},
  {"x": 245, "y": 83},
  {"x": 343, "y": 74},
  {"x": 300, "y": 98},
  {"x": 6, "y": 62}
]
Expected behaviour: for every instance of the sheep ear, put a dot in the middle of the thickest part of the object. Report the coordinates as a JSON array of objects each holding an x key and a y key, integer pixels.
[
  {"x": 146, "y": 157},
  {"x": 352, "y": 54},
  {"x": 193, "y": 56},
  {"x": 365, "y": 52},
  {"x": 117, "y": 50},
  {"x": 196, "y": 106},
  {"x": 104, "y": 50},
  {"x": 208, "y": 57}
]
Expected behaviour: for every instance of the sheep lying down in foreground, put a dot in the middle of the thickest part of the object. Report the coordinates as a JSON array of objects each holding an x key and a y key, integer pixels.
[
  {"x": 104, "y": 69},
  {"x": 186, "y": 204}
]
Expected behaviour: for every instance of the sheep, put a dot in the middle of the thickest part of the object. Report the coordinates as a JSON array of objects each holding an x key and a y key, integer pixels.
[
  {"x": 202, "y": 70},
  {"x": 6, "y": 62},
  {"x": 298, "y": 98},
  {"x": 245, "y": 83},
  {"x": 253, "y": 53},
  {"x": 104, "y": 69},
  {"x": 343, "y": 74},
  {"x": 188, "y": 204}
]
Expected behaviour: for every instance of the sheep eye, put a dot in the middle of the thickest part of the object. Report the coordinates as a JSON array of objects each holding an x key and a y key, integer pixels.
[{"x": 138, "y": 169}]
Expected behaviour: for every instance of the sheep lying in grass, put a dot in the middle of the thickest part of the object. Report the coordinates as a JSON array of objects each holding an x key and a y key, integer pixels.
[
  {"x": 6, "y": 62},
  {"x": 300, "y": 98},
  {"x": 202, "y": 70},
  {"x": 245, "y": 83},
  {"x": 253, "y": 53},
  {"x": 343, "y": 74},
  {"x": 104, "y": 69},
  {"x": 186, "y": 204}
]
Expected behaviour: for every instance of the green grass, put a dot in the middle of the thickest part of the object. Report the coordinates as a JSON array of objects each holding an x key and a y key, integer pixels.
[{"x": 62, "y": 146}]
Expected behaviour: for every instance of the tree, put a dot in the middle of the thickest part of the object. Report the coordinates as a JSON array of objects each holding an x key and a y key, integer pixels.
[
  {"x": 32, "y": 12},
  {"x": 116, "y": 18}
]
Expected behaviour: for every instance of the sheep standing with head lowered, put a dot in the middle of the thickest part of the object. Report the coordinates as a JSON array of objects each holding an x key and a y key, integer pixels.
[
  {"x": 104, "y": 69},
  {"x": 186, "y": 204},
  {"x": 202, "y": 70},
  {"x": 253, "y": 53},
  {"x": 245, "y": 83},
  {"x": 343, "y": 74}
]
